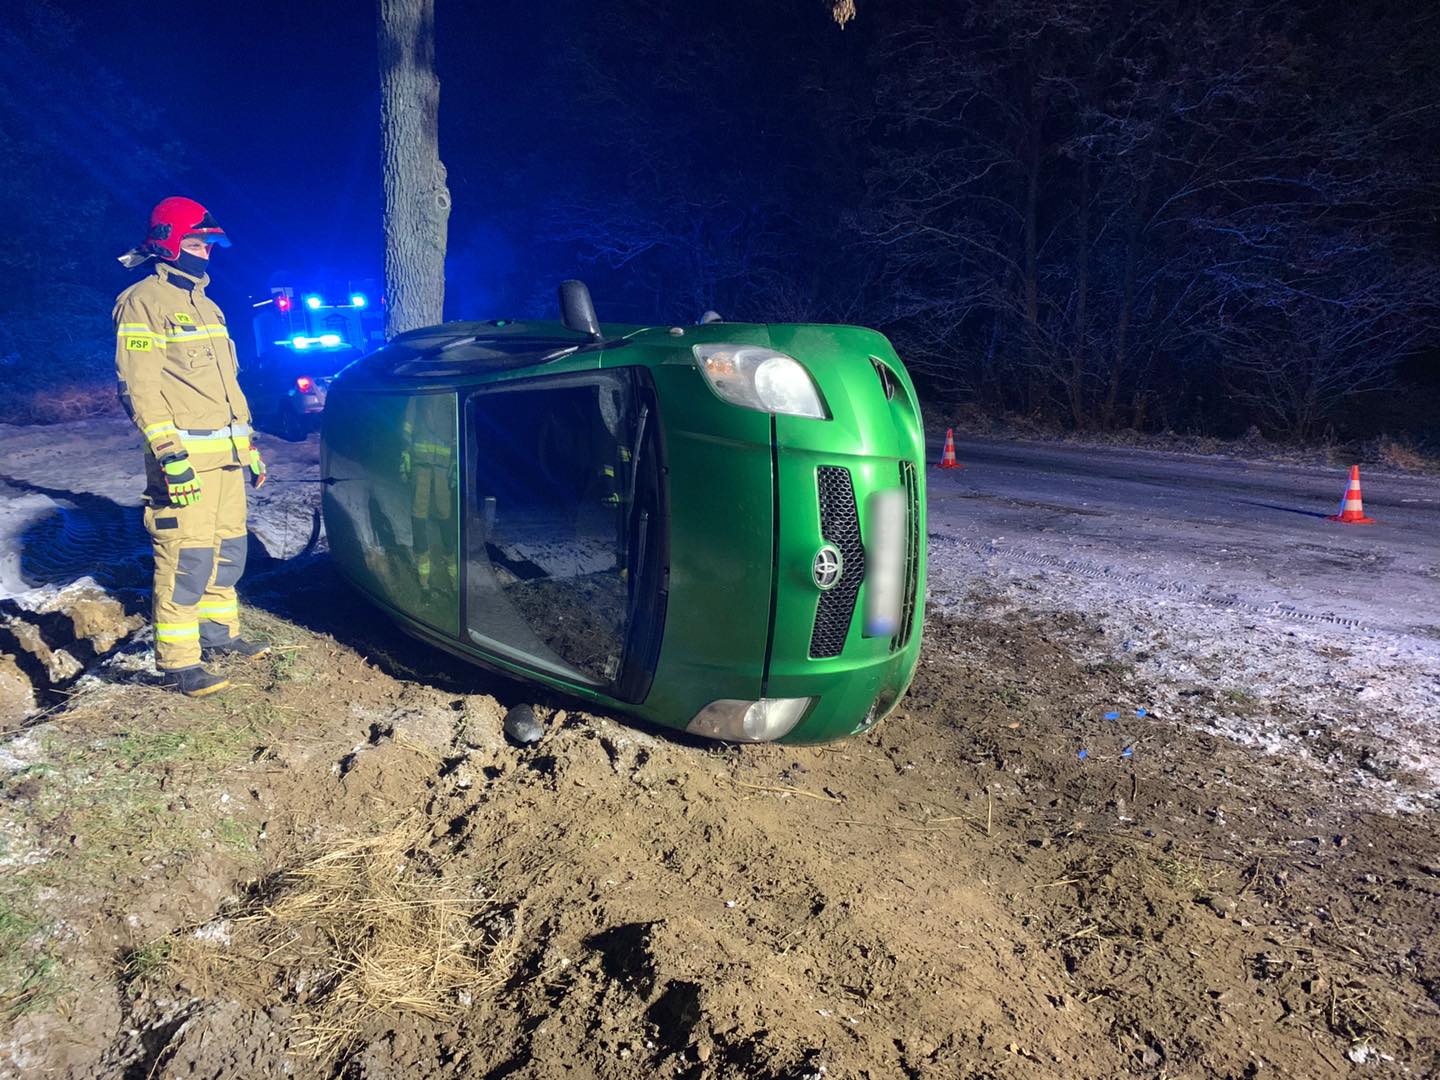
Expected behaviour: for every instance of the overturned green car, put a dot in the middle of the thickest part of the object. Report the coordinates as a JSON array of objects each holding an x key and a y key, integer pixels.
[{"x": 719, "y": 528}]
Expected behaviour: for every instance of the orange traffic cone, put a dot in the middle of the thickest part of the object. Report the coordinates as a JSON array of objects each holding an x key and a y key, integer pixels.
[
  {"x": 947, "y": 459},
  {"x": 1352, "y": 508}
]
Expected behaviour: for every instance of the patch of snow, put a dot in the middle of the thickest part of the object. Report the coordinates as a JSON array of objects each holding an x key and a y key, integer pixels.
[
  {"x": 1361, "y": 703},
  {"x": 20, "y": 752},
  {"x": 214, "y": 933}
]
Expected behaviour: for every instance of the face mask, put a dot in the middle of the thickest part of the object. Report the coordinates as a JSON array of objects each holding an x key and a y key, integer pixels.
[{"x": 196, "y": 266}]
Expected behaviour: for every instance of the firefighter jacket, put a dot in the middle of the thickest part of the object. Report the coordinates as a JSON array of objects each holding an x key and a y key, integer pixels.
[
  {"x": 428, "y": 432},
  {"x": 177, "y": 369}
]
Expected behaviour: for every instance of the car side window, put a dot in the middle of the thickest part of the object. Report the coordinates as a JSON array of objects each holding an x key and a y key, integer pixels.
[{"x": 548, "y": 530}]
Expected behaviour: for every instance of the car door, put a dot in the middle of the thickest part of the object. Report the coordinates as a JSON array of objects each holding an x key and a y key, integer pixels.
[{"x": 564, "y": 528}]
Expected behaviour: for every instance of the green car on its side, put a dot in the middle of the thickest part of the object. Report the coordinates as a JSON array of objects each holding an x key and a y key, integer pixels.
[{"x": 719, "y": 527}]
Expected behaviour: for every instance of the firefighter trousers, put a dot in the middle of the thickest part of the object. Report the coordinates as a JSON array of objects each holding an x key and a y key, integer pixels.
[
  {"x": 430, "y": 520},
  {"x": 199, "y": 556}
]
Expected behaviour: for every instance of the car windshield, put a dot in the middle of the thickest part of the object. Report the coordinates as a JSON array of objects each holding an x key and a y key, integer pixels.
[{"x": 564, "y": 530}]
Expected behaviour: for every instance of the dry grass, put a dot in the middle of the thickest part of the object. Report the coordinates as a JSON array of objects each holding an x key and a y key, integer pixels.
[
  {"x": 1398, "y": 455},
  {"x": 371, "y": 928},
  {"x": 73, "y": 400}
]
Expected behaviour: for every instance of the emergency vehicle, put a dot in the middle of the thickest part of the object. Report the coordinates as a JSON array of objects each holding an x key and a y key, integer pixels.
[{"x": 302, "y": 338}]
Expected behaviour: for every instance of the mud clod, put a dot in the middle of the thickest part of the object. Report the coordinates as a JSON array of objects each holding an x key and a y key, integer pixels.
[{"x": 46, "y": 645}]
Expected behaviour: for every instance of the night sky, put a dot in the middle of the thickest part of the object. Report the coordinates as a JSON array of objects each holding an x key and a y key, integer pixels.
[
  {"x": 278, "y": 112},
  {"x": 278, "y": 104},
  {"x": 1098, "y": 215}
]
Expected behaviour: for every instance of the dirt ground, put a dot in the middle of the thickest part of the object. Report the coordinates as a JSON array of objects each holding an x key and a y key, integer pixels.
[
  {"x": 1161, "y": 803},
  {"x": 959, "y": 893}
]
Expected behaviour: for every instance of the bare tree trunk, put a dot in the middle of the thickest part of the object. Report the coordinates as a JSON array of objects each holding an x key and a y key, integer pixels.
[
  {"x": 417, "y": 202},
  {"x": 1127, "y": 303},
  {"x": 1031, "y": 344},
  {"x": 989, "y": 388},
  {"x": 1032, "y": 241},
  {"x": 1082, "y": 294}
]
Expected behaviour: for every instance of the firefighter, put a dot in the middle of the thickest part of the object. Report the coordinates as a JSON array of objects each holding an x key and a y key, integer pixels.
[{"x": 177, "y": 366}]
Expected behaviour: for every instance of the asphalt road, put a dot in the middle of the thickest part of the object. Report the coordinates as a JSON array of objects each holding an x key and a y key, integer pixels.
[
  {"x": 1248, "y": 534},
  {"x": 1243, "y": 533}
]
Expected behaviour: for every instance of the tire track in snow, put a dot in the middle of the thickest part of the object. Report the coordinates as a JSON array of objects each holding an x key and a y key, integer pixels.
[{"x": 69, "y": 543}]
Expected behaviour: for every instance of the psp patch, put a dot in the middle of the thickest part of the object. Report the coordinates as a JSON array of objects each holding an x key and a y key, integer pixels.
[{"x": 139, "y": 344}]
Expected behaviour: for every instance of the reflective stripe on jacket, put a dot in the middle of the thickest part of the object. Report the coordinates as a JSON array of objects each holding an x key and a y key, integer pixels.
[
  {"x": 177, "y": 369},
  {"x": 429, "y": 418}
]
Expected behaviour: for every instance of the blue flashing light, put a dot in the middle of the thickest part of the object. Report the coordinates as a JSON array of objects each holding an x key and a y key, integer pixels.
[
  {"x": 313, "y": 303},
  {"x": 325, "y": 341},
  {"x": 358, "y": 299}
]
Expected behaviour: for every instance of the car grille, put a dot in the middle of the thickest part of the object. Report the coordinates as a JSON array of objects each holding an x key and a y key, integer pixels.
[
  {"x": 840, "y": 525},
  {"x": 911, "y": 483}
]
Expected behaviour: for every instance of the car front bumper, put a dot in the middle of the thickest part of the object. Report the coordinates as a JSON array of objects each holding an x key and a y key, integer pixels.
[{"x": 854, "y": 645}]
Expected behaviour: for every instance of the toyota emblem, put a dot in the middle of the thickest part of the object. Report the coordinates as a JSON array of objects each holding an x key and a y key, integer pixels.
[{"x": 828, "y": 567}]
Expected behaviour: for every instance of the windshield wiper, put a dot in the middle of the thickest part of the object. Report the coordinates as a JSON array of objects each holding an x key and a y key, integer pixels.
[{"x": 635, "y": 450}]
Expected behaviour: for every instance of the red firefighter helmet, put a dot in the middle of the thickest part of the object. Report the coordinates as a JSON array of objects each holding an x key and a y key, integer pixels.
[{"x": 174, "y": 219}]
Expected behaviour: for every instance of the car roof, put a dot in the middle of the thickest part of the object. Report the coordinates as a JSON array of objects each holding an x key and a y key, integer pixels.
[
  {"x": 466, "y": 351},
  {"x": 457, "y": 349}
]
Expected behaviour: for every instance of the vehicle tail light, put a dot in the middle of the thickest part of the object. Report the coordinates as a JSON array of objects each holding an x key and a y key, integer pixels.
[{"x": 304, "y": 384}]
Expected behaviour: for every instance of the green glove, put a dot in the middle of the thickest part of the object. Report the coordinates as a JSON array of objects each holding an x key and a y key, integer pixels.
[
  {"x": 181, "y": 485},
  {"x": 257, "y": 468}
]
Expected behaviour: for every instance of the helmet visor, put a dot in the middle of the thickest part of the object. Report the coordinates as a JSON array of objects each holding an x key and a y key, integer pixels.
[{"x": 208, "y": 229}]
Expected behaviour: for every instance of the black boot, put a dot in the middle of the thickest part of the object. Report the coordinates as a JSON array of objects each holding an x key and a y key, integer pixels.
[
  {"x": 194, "y": 681},
  {"x": 236, "y": 646}
]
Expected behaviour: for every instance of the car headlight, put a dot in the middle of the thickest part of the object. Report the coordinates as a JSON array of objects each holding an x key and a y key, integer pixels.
[
  {"x": 749, "y": 721},
  {"x": 758, "y": 378}
]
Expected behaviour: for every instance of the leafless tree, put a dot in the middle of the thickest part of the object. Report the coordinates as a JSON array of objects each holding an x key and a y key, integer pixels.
[
  {"x": 1089, "y": 210},
  {"x": 1106, "y": 213},
  {"x": 688, "y": 198},
  {"x": 417, "y": 201},
  {"x": 1299, "y": 347},
  {"x": 76, "y": 184}
]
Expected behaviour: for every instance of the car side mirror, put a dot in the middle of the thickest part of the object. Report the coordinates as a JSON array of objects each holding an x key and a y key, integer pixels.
[{"x": 577, "y": 310}]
